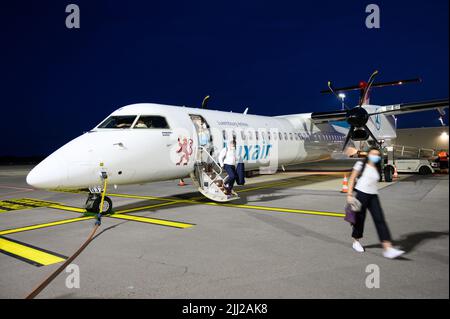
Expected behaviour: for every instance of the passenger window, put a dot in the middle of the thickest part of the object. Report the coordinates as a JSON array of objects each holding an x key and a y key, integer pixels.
[
  {"x": 243, "y": 135},
  {"x": 290, "y": 136},
  {"x": 250, "y": 136},
  {"x": 256, "y": 135},
  {"x": 224, "y": 134},
  {"x": 280, "y": 136},
  {"x": 151, "y": 121},
  {"x": 263, "y": 135},
  {"x": 119, "y": 121}
]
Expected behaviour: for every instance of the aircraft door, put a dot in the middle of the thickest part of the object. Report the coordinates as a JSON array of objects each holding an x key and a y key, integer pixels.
[{"x": 204, "y": 136}]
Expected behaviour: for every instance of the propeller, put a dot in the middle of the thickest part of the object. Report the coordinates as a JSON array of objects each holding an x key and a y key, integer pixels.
[{"x": 357, "y": 117}]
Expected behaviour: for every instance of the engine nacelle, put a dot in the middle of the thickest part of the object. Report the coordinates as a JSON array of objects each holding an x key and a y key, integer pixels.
[{"x": 360, "y": 135}]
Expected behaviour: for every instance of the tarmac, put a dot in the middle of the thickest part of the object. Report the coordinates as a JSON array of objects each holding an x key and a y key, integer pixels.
[{"x": 284, "y": 238}]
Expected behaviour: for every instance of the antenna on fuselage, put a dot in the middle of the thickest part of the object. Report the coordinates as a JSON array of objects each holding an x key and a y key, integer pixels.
[
  {"x": 205, "y": 102},
  {"x": 246, "y": 110}
]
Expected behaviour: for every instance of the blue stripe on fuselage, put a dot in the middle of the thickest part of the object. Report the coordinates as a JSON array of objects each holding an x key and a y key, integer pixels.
[{"x": 343, "y": 124}]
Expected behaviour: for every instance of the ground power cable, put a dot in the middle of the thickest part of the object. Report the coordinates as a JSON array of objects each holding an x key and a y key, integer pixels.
[{"x": 53, "y": 275}]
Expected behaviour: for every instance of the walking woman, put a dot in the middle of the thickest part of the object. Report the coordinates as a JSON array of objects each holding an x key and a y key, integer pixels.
[{"x": 367, "y": 174}]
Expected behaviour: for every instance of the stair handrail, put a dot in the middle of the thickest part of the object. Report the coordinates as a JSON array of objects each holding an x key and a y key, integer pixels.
[{"x": 203, "y": 149}]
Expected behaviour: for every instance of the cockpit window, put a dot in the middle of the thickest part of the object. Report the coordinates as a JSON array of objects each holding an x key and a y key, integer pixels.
[
  {"x": 151, "y": 121},
  {"x": 118, "y": 121}
]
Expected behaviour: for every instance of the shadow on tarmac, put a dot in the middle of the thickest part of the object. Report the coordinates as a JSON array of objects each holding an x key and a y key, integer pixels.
[
  {"x": 265, "y": 191},
  {"x": 409, "y": 242}
]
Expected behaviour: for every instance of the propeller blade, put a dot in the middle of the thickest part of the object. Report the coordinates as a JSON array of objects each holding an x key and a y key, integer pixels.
[
  {"x": 205, "y": 102},
  {"x": 367, "y": 88},
  {"x": 375, "y": 85},
  {"x": 349, "y": 135},
  {"x": 371, "y": 134}
]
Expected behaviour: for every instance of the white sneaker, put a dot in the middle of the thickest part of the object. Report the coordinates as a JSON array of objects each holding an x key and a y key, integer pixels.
[
  {"x": 392, "y": 253},
  {"x": 358, "y": 247}
]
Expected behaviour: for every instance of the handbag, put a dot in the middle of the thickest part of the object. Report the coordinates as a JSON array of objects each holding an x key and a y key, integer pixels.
[{"x": 351, "y": 209}]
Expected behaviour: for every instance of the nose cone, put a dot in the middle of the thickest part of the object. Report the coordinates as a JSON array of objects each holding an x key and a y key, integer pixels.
[{"x": 49, "y": 174}]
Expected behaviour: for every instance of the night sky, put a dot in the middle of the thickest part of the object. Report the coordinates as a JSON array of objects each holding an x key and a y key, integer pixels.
[{"x": 271, "y": 56}]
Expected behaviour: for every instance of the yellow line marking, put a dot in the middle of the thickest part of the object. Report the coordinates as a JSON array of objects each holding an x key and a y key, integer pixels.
[
  {"x": 174, "y": 199},
  {"x": 152, "y": 221},
  {"x": 28, "y": 253},
  {"x": 279, "y": 209},
  {"x": 60, "y": 222},
  {"x": 170, "y": 199},
  {"x": 123, "y": 211},
  {"x": 35, "y": 202},
  {"x": 14, "y": 204},
  {"x": 264, "y": 186},
  {"x": 275, "y": 209},
  {"x": 68, "y": 208}
]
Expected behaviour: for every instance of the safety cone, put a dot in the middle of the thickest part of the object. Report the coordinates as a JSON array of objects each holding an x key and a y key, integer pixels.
[
  {"x": 345, "y": 185},
  {"x": 181, "y": 182},
  {"x": 395, "y": 172}
]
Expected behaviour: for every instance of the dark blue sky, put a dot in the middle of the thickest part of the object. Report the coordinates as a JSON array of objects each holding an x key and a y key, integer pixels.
[{"x": 273, "y": 56}]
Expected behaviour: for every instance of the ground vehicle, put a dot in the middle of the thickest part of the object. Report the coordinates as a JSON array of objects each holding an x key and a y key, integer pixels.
[{"x": 414, "y": 165}]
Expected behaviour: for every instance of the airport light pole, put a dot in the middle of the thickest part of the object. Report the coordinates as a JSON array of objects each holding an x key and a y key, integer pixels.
[{"x": 342, "y": 97}]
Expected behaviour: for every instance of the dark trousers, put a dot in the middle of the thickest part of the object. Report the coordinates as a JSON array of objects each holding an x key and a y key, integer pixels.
[
  {"x": 371, "y": 202},
  {"x": 231, "y": 171}
]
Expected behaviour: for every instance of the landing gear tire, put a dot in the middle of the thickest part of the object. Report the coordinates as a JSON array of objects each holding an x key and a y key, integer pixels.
[
  {"x": 107, "y": 205},
  {"x": 425, "y": 170},
  {"x": 93, "y": 204}
]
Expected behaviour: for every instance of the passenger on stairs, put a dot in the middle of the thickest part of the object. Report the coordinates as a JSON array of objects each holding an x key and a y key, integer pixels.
[
  {"x": 227, "y": 160},
  {"x": 204, "y": 135},
  {"x": 204, "y": 141}
]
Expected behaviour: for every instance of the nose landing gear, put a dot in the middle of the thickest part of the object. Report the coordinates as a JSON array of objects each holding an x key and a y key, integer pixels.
[
  {"x": 97, "y": 201},
  {"x": 93, "y": 204}
]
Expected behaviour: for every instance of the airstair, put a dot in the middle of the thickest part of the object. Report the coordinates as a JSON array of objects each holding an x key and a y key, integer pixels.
[{"x": 210, "y": 178}]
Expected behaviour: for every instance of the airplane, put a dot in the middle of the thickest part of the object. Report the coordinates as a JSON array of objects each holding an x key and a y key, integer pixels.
[{"x": 147, "y": 142}]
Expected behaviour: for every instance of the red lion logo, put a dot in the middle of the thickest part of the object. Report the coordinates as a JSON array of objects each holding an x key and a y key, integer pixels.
[{"x": 185, "y": 148}]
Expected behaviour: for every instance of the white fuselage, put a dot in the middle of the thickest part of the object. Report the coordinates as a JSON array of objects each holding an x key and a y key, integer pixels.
[{"x": 139, "y": 155}]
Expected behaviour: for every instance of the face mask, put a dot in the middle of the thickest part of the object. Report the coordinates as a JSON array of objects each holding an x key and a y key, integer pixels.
[{"x": 374, "y": 158}]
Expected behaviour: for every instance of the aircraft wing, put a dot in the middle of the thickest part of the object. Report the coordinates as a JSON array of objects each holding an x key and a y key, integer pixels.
[
  {"x": 398, "y": 109},
  {"x": 395, "y": 109},
  {"x": 323, "y": 117}
]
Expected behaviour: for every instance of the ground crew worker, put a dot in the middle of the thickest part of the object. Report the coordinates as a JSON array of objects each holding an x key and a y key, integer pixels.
[{"x": 443, "y": 162}]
